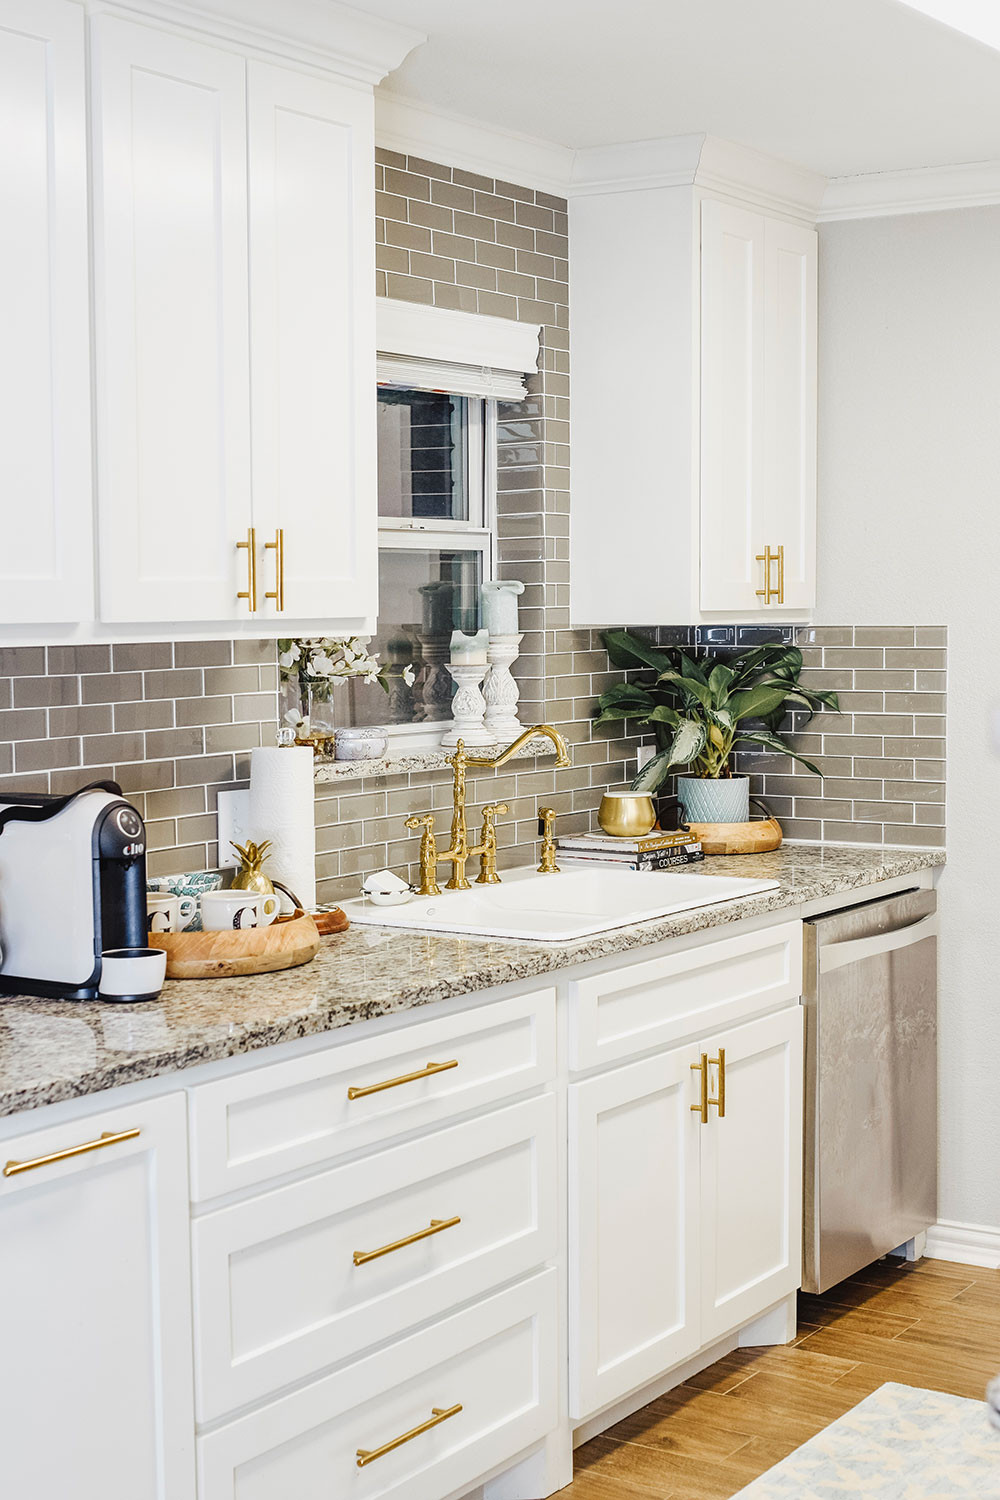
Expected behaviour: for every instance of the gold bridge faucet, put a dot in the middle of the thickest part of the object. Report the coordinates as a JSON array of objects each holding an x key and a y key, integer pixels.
[{"x": 460, "y": 851}]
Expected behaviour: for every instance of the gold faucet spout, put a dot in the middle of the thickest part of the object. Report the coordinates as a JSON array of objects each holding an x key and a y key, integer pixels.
[{"x": 562, "y": 749}]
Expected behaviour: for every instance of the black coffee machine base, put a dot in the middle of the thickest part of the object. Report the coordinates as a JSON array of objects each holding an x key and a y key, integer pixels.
[{"x": 46, "y": 989}]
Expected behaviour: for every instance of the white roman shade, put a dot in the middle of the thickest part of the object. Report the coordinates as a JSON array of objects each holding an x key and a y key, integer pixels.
[{"x": 469, "y": 354}]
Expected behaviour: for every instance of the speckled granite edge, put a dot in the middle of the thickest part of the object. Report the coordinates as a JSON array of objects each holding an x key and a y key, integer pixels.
[
  {"x": 418, "y": 760},
  {"x": 52, "y": 1051}
]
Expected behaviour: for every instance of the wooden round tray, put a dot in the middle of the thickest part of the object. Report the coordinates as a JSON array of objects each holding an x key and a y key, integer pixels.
[
  {"x": 253, "y": 950},
  {"x": 757, "y": 837}
]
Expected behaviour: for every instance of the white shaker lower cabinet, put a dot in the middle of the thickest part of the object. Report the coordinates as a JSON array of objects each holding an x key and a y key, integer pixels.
[
  {"x": 415, "y": 1421},
  {"x": 682, "y": 1228},
  {"x": 45, "y": 486},
  {"x": 633, "y": 1227},
  {"x": 95, "y": 1374},
  {"x": 751, "y": 1172}
]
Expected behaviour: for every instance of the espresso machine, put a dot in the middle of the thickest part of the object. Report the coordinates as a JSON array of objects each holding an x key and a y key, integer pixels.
[{"x": 72, "y": 886}]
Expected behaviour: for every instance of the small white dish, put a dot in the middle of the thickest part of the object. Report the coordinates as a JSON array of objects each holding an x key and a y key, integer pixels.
[
  {"x": 132, "y": 974},
  {"x": 386, "y": 889},
  {"x": 389, "y": 898}
]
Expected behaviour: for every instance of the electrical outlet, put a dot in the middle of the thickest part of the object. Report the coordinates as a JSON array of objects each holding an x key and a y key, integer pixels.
[
  {"x": 234, "y": 817},
  {"x": 644, "y": 755}
]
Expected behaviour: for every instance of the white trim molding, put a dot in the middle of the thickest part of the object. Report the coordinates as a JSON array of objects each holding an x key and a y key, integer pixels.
[
  {"x": 922, "y": 190},
  {"x": 968, "y": 1244},
  {"x": 415, "y": 129},
  {"x": 320, "y": 33}
]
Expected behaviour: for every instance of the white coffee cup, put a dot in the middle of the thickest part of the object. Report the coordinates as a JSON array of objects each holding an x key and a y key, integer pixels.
[
  {"x": 223, "y": 910},
  {"x": 168, "y": 913}
]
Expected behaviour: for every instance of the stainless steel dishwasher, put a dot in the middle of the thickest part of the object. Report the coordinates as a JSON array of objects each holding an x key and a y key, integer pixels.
[{"x": 870, "y": 997}]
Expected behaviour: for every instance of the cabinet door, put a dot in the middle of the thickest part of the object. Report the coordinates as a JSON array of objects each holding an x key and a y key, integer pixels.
[
  {"x": 751, "y": 1169},
  {"x": 787, "y": 508},
  {"x": 95, "y": 1323},
  {"x": 313, "y": 343},
  {"x": 46, "y": 567},
  {"x": 634, "y": 1268},
  {"x": 173, "y": 400},
  {"x": 732, "y": 404}
]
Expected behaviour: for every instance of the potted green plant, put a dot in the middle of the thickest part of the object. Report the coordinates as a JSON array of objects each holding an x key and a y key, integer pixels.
[{"x": 701, "y": 709}]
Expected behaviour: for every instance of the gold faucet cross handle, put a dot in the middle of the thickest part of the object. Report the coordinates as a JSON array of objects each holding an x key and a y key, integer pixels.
[
  {"x": 488, "y": 844},
  {"x": 546, "y": 824},
  {"x": 428, "y": 854}
]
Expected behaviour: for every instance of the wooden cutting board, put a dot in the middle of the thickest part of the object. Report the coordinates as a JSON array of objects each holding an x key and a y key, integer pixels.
[
  {"x": 757, "y": 837},
  {"x": 252, "y": 950}
]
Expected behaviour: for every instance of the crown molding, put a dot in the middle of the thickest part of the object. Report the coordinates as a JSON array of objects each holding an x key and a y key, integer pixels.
[
  {"x": 705, "y": 161},
  {"x": 915, "y": 191},
  {"x": 322, "y": 33},
  {"x": 414, "y": 129}
]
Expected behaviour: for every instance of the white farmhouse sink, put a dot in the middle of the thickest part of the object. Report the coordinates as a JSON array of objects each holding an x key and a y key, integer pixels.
[{"x": 558, "y": 908}]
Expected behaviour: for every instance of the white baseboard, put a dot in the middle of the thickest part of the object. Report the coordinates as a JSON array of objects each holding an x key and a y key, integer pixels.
[{"x": 968, "y": 1244}]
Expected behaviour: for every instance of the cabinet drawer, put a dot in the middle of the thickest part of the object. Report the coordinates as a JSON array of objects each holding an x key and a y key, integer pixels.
[
  {"x": 278, "y": 1294},
  {"x": 494, "y": 1365},
  {"x": 295, "y": 1114},
  {"x": 664, "y": 1000}
]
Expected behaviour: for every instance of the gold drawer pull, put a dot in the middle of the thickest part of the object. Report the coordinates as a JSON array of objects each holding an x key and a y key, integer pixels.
[
  {"x": 720, "y": 1100},
  {"x": 393, "y": 1083},
  {"x": 441, "y": 1414},
  {"x": 362, "y": 1257},
  {"x": 13, "y": 1168},
  {"x": 701, "y": 1108},
  {"x": 278, "y": 548},
  {"x": 767, "y": 557},
  {"x": 250, "y": 547}
]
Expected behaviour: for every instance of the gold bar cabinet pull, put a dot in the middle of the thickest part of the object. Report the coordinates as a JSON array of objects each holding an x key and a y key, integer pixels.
[
  {"x": 440, "y": 1414},
  {"x": 393, "y": 1083},
  {"x": 109, "y": 1138},
  {"x": 701, "y": 1108},
  {"x": 278, "y": 548},
  {"x": 250, "y": 592},
  {"x": 720, "y": 1099},
  {"x": 781, "y": 575},
  {"x": 362, "y": 1257}
]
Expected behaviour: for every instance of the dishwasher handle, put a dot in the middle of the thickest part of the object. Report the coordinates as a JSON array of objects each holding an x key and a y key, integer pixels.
[{"x": 836, "y": 955}]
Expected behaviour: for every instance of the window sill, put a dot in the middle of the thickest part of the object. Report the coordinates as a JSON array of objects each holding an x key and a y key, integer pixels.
[{"x": 405, "y": 762}]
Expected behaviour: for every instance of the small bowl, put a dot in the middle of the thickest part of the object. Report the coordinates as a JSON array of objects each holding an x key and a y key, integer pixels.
[
  {"x": 132, "y": 974},
  {"x": 627, "y": 815},
  {"x": 389, "y": 898}
]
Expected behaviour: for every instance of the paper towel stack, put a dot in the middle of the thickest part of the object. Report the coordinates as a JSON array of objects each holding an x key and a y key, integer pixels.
[{"x": 282, "y": 798}]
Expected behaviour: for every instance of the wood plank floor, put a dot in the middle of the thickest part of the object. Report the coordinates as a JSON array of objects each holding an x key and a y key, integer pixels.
[{"x": 930, "y": 1324}]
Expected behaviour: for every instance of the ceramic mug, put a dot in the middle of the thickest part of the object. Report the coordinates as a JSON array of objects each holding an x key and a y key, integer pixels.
[
  {"x": 132, "y": 973},
  {"x": 224, "y": 910},
  {"x": 169, "y": 913}
]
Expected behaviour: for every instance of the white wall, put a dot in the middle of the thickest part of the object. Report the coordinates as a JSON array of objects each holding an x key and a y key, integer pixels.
[{"x": 909, "y": 489}]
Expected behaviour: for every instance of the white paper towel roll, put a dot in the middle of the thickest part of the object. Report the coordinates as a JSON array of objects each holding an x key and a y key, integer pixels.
[{"x": 282, "y": 799}]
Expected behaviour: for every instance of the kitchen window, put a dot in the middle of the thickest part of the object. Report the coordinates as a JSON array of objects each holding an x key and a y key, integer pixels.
[{"x": 437, "y": 543}]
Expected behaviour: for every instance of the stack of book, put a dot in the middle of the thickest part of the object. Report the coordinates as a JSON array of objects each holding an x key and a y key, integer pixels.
[{"x": 656, "y": 851}]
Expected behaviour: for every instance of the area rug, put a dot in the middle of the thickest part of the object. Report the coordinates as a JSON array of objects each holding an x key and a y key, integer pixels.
[{"x": 898, "y": 1444}]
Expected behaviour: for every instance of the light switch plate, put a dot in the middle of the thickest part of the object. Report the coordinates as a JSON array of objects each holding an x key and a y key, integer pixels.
[{"x": 234, "y": 817}]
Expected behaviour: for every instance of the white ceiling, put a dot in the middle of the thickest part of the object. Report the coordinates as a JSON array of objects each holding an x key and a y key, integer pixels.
[{"x": 840, "y": 86}]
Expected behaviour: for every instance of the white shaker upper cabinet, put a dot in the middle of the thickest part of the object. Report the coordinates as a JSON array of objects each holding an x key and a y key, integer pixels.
[
  {"x": 173, "y": 384},
  {"x": 312, "y": 321},
  {"x": 46, "y": 571},
  {"x": 788, "y": 510},
  {"x": 732, "y": 403}
]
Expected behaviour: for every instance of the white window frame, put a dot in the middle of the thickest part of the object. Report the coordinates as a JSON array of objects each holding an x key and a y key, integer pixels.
[{"x": 477, "y": 534}]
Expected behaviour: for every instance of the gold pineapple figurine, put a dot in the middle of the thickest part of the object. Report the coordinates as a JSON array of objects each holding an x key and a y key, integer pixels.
[{"x": 250, "y": 876}]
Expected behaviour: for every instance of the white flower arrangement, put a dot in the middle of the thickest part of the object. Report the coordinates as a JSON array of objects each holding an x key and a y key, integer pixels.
[{"x": 325, "y": 661}]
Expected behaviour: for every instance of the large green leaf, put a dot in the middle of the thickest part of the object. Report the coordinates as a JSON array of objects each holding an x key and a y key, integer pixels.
[
  {"x": 772, "y": 742},
  {"x": 617, "y": 712},
  {"x": 688, "y": 687},
  {"x": 629, "y": 651},
  {"x": 688, "y": 743},
  {"x": 719, "y": 680},
  {"x": 662, "y": 714},
  {"x": 757, "y": 702}
]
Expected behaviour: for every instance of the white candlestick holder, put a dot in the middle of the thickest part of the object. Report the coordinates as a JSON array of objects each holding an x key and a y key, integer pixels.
[
  {"x": 501, "y": 691},
  {"x": 468, "y": 706}
]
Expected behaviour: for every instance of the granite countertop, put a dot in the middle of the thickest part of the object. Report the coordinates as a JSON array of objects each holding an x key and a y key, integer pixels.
[{"x": 52, "y": 1050}]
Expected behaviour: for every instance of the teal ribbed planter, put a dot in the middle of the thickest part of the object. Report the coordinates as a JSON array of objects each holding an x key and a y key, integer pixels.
[{"x": 704, "y": 800}]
